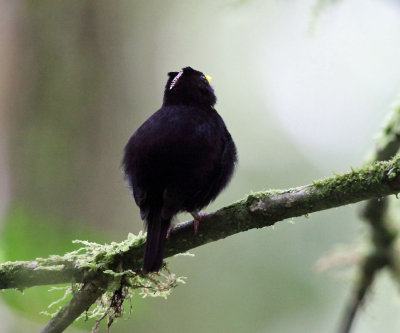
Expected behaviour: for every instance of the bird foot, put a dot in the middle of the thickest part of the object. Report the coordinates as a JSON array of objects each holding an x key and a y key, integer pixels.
[
  {"x": 196, "y": 220},
  {"x": 171, "y": 226}
]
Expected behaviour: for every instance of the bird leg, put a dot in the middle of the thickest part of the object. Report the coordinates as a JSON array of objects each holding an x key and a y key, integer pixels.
[
  {"x": 197, "y": 216},
  {"x": 171, "y": 226}
]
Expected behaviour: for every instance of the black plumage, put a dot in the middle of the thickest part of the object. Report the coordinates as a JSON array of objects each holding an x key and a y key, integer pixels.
[{"x": 179, "y": 159}]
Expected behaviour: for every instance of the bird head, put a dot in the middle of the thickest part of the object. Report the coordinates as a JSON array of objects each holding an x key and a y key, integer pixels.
[{"x": 189, "y": 87}]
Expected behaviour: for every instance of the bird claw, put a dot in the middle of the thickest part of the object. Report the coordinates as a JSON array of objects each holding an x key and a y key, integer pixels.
[
  {"x": 196, "y": 220},
  {"x": 172, "y": 226},
  {"x": 196, "y": 224}
]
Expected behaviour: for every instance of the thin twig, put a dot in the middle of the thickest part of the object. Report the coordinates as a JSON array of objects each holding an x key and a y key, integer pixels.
[
  {"x": 372, "y": 264},
  {"x": 81, "y": 302}
]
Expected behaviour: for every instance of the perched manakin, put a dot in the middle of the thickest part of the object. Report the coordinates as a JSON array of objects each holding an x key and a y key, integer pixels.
[{"x": 179, "y": 159}]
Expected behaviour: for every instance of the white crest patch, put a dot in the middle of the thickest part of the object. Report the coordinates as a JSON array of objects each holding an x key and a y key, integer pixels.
[{"x": 175, "y": 80}]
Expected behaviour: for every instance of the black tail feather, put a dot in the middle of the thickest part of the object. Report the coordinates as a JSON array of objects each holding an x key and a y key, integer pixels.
[{"x": 157, "y": 229}]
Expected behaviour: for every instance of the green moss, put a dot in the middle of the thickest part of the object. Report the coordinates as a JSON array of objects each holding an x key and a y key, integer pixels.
[{"x": 359, "y": 180}]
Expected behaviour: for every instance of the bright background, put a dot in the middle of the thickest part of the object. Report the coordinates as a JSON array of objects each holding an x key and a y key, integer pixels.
[{"x": 303, "y": 88}]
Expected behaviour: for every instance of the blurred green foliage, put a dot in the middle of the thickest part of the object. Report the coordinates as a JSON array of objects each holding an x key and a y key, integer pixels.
[
  {"x": 28, "y": 235},
  {"x": 298, "y": 105}
]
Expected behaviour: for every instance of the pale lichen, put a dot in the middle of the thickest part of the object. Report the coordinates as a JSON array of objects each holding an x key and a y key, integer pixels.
[{"x": 122, "y": 285}]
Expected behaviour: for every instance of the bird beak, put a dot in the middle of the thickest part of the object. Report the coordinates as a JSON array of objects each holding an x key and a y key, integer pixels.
[{"x": 208, "y": 77}]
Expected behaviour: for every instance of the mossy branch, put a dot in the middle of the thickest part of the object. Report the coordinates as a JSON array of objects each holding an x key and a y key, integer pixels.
[
  {"x": 374, "y": 213},
  {"x": 256, "y": 211},
  {"x": 93, "y": 263}
]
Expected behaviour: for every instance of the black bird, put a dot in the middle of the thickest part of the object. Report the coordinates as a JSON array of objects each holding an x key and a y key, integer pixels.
[{"x": 179, "y": 159}]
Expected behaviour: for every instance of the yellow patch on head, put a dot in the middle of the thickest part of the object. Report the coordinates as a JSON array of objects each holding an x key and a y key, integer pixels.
[{"x": 208, "y": 77}]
